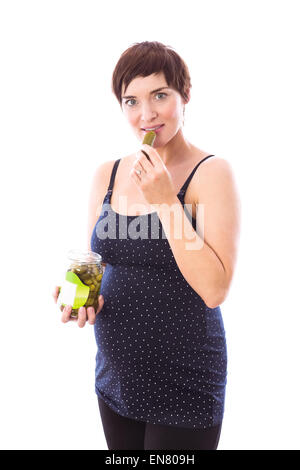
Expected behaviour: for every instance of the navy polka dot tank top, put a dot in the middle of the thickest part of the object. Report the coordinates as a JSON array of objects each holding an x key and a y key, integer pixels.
[{"x": 161, "y": 352}]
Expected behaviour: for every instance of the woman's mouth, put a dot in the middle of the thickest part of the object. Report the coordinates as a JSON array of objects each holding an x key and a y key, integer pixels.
[{"x": 155, "y": 129}]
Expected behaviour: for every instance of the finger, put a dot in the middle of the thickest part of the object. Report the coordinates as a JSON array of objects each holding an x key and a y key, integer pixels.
[
  {"x": 66, "y": 313},
  {"x": 146, "y": 155},
  {"x": 142, "y": 175},
  {"x": 55, "y": 293},
  {"x": 154, "y": 156},
  {"x": 137, "y": 165},
  {"x": 100, "y": 304},
  {"x": 91, "y": 315},
  {"x": 148, "y": 166},
  {"x": 81, "y": 317},
  {"x": 146, "y": 162},
  {"x": 135, "y": 177}
]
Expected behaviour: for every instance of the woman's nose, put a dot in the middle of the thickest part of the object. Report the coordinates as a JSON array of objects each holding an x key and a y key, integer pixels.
[{"x": 148, "y": 113}]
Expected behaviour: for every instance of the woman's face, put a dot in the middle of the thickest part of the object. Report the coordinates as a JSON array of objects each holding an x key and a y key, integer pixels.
[{"x": 145, "y": 106}]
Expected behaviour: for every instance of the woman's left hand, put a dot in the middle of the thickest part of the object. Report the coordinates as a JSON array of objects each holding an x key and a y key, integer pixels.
[{"x": 155, "y": 181}]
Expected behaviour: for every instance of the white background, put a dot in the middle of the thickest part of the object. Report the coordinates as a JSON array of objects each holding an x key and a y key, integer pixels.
[{"x": 59, "y": 120}]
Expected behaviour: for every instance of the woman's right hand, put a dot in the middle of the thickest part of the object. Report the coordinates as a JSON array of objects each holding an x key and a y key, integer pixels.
[{"x": 84, "y": 314}]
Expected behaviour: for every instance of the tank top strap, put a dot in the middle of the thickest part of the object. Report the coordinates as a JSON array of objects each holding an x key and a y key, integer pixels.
[
  {"x": 187, "y": 182},
  {"x": 112, "y": 178}
]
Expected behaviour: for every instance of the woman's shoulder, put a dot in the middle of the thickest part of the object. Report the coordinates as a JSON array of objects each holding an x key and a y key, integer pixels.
[
  {"x": 213, "y": 174},
  {"x": 104, "y": 170},
  {"x": 107, "y": 166},
  {"x": 216, "y": 180},
  {"x": 212, "y": 165},
  {"x": 216, "y": 167}
]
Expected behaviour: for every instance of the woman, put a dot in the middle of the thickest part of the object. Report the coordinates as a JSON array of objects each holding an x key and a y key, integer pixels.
[{"x": 161, "y": 364}]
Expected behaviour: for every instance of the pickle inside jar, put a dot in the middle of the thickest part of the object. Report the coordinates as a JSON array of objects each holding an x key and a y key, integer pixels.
[{"x": 91, "y": 276}]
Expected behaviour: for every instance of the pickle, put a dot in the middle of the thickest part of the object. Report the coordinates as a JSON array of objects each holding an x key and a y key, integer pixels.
[
  {"x": 91, "y": 276},
  {"x": 149, "y": 138}
]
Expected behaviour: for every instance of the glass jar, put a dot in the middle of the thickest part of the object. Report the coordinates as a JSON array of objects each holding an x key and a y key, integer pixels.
[{"x": 82, "y": 282}]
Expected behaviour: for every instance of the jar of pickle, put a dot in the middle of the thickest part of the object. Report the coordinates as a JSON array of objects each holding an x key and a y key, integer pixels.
[{"x": 81, "y": 285}]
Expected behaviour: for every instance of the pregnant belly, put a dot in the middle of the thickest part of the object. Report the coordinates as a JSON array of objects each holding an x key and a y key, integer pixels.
[{"x": 147, "y": 312}]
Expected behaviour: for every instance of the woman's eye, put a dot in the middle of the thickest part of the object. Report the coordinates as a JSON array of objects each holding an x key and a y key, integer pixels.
[
  {"x": 126, "y": 102},
  {"x": 161, "y": 94},
  {"x": 130, "y": 105}
]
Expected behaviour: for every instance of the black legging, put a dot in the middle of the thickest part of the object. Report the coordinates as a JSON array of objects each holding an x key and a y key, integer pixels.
[{"x": 125, "y": 433}]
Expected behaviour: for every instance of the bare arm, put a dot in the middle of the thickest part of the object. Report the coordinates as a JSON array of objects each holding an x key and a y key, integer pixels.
[{"x": 209, "y": 266}]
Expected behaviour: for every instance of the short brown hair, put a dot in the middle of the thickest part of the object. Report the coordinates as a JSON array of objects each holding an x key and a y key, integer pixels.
[{"x": 146, "y": 58}]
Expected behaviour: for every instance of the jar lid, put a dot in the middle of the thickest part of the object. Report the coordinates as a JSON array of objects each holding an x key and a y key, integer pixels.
[{"x": 84, "y": 256}]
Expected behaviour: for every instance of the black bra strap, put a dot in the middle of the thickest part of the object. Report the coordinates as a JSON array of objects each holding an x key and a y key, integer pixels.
[
  {"x": 185, "y": 185},
  {"x": 113, "y": 174}
]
